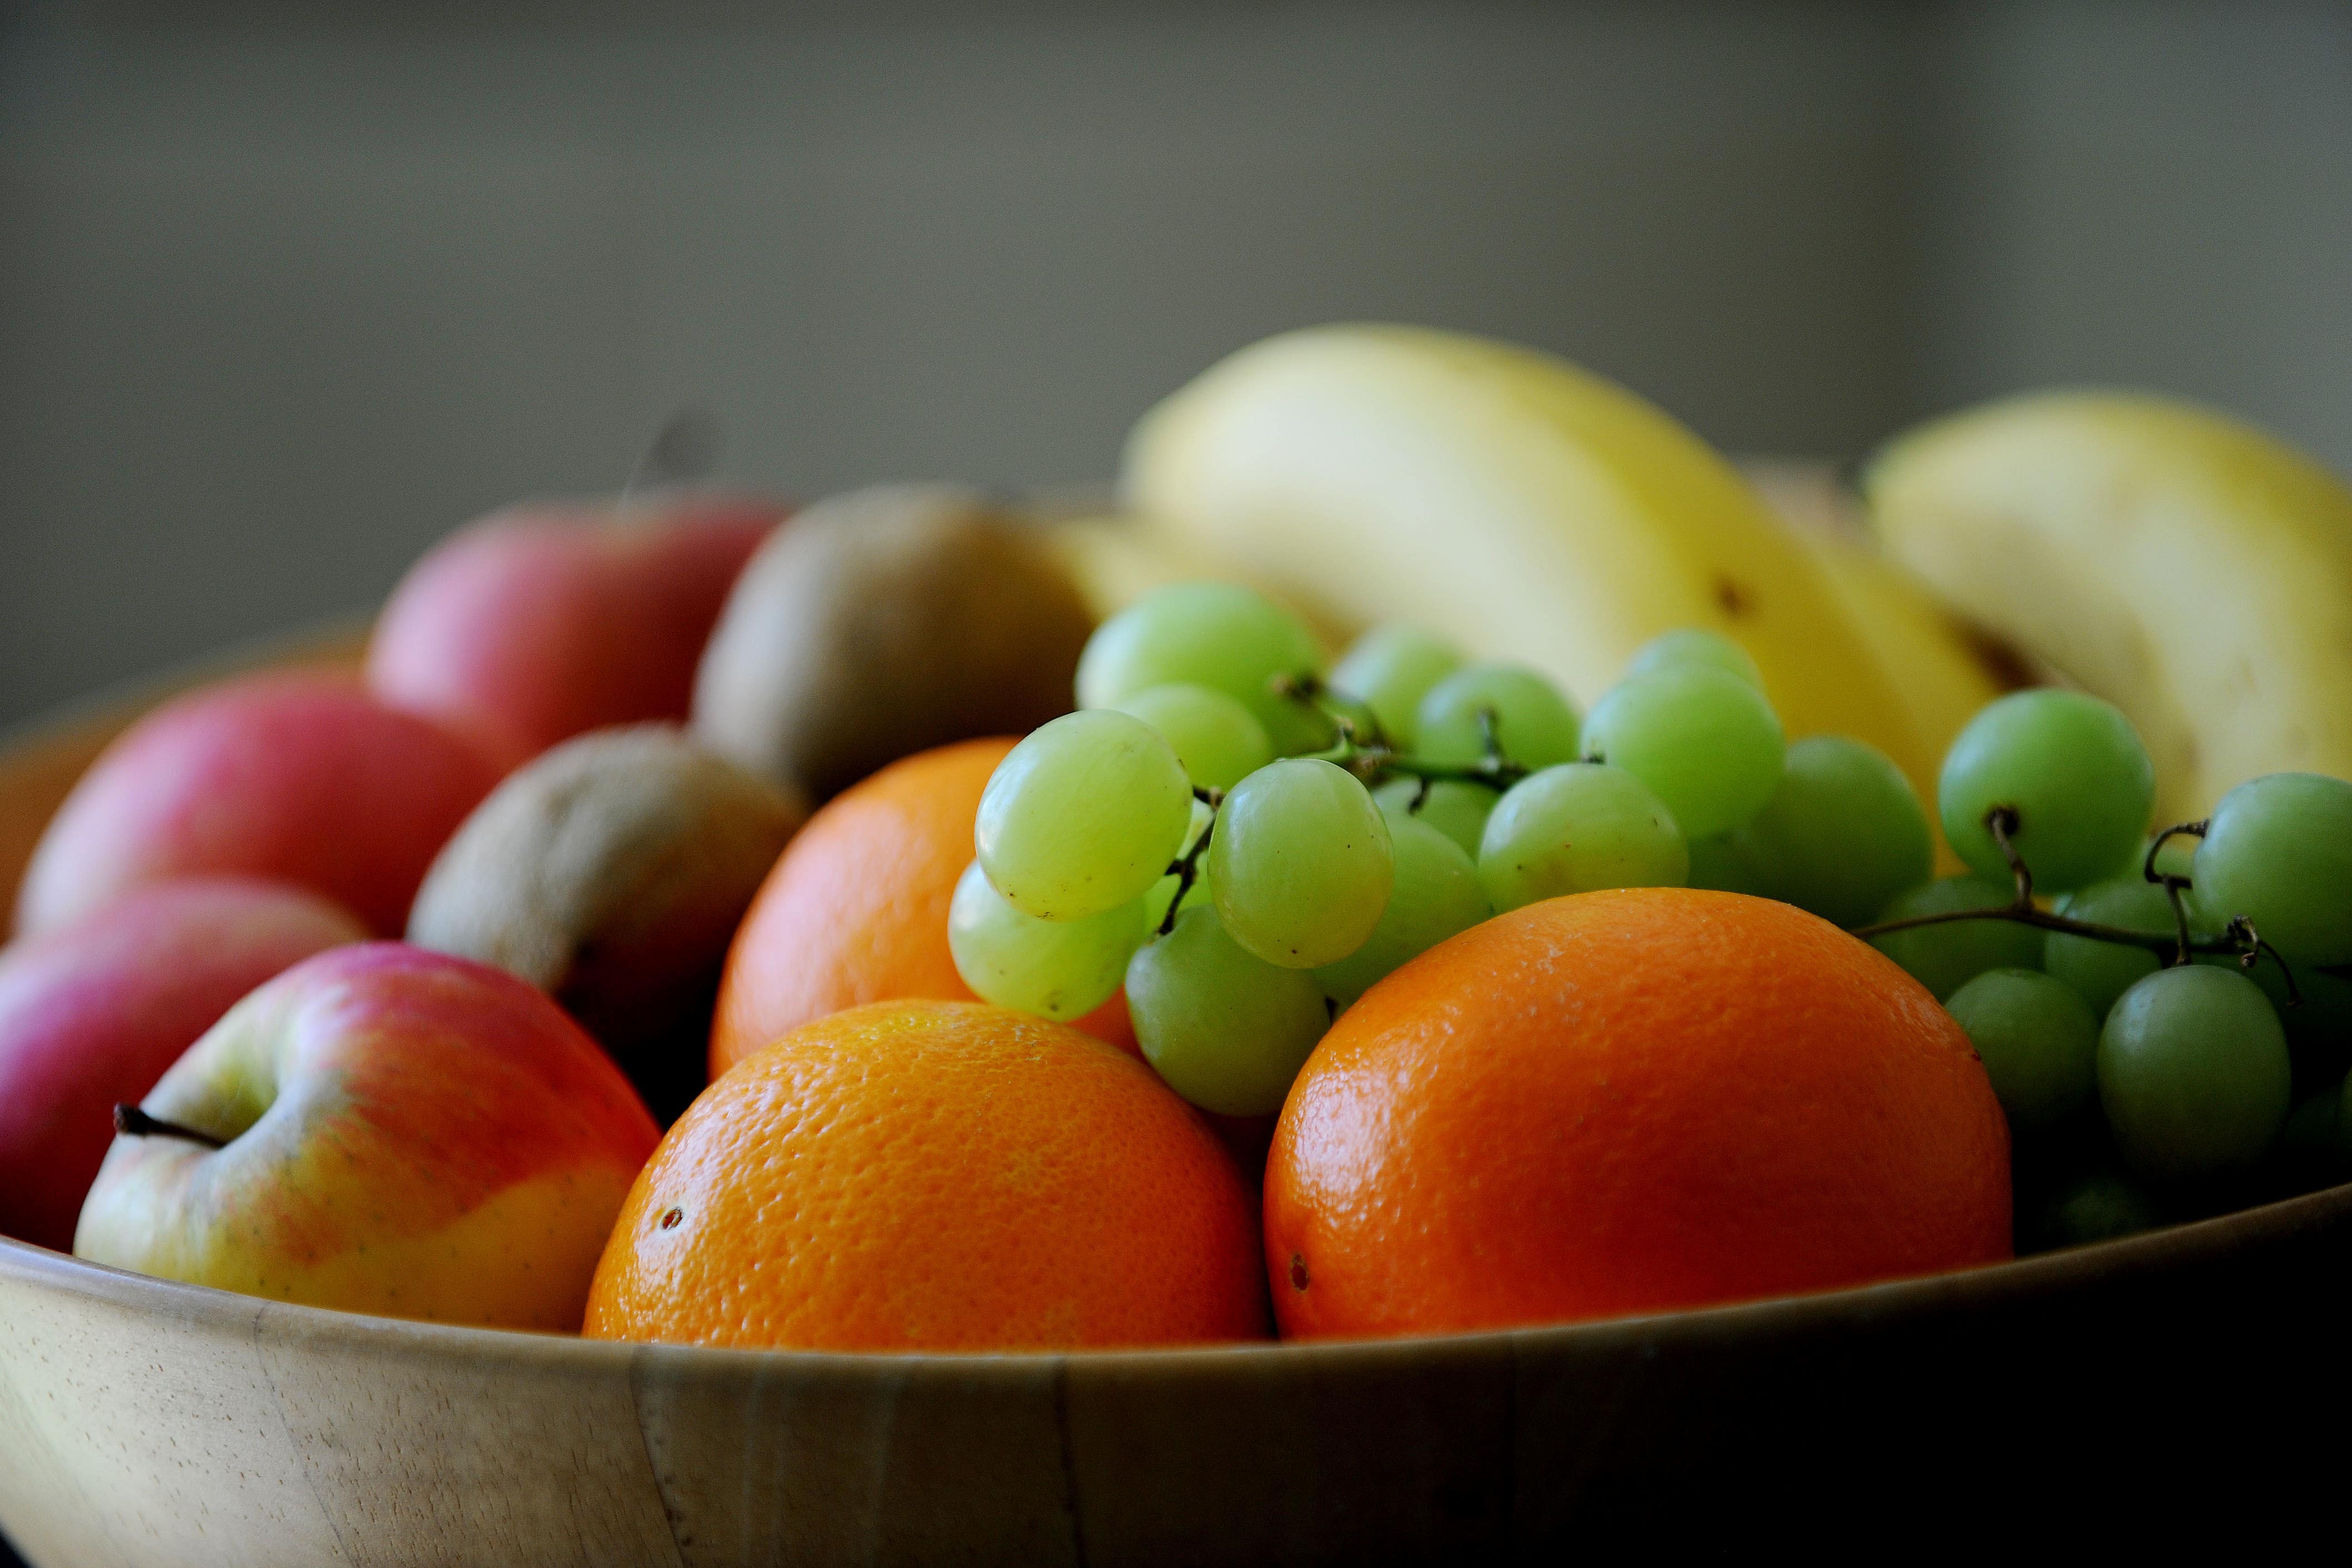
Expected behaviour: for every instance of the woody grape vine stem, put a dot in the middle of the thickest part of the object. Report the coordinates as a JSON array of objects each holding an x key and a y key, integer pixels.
[
  {"x": 2239, "y": 938},
  {"x": 1372, "y": 760},
  {"x": 1379, "y": 759}
]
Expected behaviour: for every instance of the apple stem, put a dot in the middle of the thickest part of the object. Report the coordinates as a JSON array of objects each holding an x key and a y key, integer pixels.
[
  {"x": 683, "y": 450},
  {"x": 131, "y": 1120}
]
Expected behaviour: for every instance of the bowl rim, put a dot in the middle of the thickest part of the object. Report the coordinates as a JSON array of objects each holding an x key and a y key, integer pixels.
[{"x": 2149, "y": 1252}]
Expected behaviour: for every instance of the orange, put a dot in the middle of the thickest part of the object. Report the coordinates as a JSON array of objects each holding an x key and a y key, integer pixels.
[
  {"x": 1628, "y": 1101},
  {"x": 934, "y": 1176},
  {"x": 856, "y": 909}
]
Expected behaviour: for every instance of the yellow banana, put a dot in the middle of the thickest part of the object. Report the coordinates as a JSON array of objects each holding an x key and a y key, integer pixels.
[
  {"x": 1522, "y": 506},
  {"x": 1113, "y": 560},
  {"x": 1943, "y": 670},
  {"x": 2188, "y": 568}
]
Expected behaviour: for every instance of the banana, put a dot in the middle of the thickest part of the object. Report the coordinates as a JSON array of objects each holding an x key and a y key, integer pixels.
[
  {"x": 1944, "y": 670},
  {"x": 1523, "y": 507},
  {"x": 1113, "y": 560},
  {"x": 2188, "y": 568}
]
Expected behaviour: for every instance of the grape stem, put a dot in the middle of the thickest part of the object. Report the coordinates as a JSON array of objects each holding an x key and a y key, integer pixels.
[
  {"x": 2174, "y": 948},
  {"x": 2162, "y": 944},
  {"x": 2174, "y": 886},
  {"x": 1311, "y": 691},
  {"x": 1186, "y": 868},
  {"x": 1371, "y": 763},
  {"x": 1374, "y": 758}
]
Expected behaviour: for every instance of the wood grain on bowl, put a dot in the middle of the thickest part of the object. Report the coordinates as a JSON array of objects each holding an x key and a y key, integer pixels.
[
  {"x": 2150, "y": 1387},
  {"x": 2149, "y": 1381}
]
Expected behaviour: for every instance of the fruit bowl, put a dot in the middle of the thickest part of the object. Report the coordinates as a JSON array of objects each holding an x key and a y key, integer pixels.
[{"x": 2151, "y": 1382}]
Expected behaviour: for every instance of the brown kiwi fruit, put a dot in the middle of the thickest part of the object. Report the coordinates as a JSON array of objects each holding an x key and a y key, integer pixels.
[
  {"x": 610, "y": 872},
  {"x": 882, "y": 622}
]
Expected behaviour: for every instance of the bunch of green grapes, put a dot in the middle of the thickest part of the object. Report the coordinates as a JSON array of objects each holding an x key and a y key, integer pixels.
[
  {"x": 2167, "y": 1030},
  {"x": 1201, "y": 832},
  {"x": 1247, "y": 841}
]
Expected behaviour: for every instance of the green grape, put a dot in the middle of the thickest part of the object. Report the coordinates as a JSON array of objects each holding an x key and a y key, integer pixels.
[
  {"x": 1534, "y": 724},
  {"x": 1083, "y": 816},
  {"x": 1436, "y": 894},
  {"x": 2039, "y": 1043},
  {"x": 1217, "y": 634},
  {"x": 2317, "y": 1013},
  {"x": 1842, "y": 832},
  {"x": 1226, "y": 1030},
  {"x": 2102, "y": 971},
  {"x": 2278, "y": 850},
  {"x": 1728, "y": 864},
  {"x": 1707, "y": 743},
  {"x": 1301, "y": 863},
  {"x": 2099, "y": 1206},
  {"x": 1060, "y": 969},
  {"x": 1694, "y": 645},
  {"x": 1945, "y": 957},
  {"x": 1218, "y": 740},
  {"x": 1576, "y": 828},
  {"x": 2073, "y": 770},
  {"x": 1458, "y": 809},
  {"x": 1389, "y": 669},
  {"x": 2193, "y": 1073}
]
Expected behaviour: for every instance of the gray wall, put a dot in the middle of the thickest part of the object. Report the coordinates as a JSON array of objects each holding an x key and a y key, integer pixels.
[
  {"x": 283, "y": 297},
  {"x": 2151, "y": 195}
]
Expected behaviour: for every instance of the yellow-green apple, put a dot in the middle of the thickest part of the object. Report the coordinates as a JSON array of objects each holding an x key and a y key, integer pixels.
[
  {"x": 303, "y": 779},
  {"x": 380, "y": 1129},
  {"x": 93, "y": 1012},
  {"x": 542, "y": 623}
]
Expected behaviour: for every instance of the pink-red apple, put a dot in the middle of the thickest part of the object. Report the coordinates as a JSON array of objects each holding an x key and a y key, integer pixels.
[
  {"x": 302, "y": 778},
  {"x": 539, "y": 623},
  {"x": 380, "y": 1129},
  {"x": 93, "y": 1012}
]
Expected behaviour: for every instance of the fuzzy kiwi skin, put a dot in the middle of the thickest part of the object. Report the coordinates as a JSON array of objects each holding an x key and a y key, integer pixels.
[
  {"x": 611, "y": 872},
  {"x": 882, "y": 622}
]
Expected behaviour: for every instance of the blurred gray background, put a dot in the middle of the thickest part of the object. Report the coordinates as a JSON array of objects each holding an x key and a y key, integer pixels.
[{"x": 288, "y": 290}]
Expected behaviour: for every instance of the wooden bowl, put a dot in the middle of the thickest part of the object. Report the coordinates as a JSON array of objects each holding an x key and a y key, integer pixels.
[{"x": 2189, "y": 1377}]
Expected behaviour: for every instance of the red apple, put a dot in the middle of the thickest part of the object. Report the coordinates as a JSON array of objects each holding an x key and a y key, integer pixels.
[
  {"x": 380, "y": 1129},
  {"x": 302, "y": 778},
  {"x": 93, "y": 1012},
  {"x": 539, "y": 623}
]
